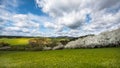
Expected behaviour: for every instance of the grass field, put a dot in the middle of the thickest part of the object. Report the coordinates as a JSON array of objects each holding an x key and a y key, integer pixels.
[
  {"x": 15, "y": 41},
  {"x": 68, "y": 58},
  {"x": 23, "y": 41}
]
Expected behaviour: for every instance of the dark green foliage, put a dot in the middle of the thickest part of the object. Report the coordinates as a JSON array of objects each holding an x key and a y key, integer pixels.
[
  {"x": 64, "y": 42},
  {"x": 2, "y": 44},
  {"x": 53, "y": 43}
]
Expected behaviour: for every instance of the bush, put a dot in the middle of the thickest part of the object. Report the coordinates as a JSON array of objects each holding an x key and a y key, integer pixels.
[
  {"x": 17, "y": 48},
  {"x": 53, "y": 43},
  {"x": 2, "y": 44},
  {"x": 39, "y": 43},
  {"x": 64, "y": 42}
]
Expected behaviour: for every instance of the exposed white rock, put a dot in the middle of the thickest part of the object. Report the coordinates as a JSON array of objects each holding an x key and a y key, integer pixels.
[
  {"x": 5, "y": 47},
  {"x": 105, "y": 39},
  {"x": 60, "y": 46},
  {"x": 47, "y": 48}
]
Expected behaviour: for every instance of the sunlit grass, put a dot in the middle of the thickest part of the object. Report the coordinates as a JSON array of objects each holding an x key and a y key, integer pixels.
[
  {"x": 69, "y": 58},
  {"x": 15, "y": 41},
  {"x": 24, "y": 41}
]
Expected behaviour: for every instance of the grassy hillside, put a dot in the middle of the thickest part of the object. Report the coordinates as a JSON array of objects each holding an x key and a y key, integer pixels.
[
  {"x": 15, "y": 41},
  {"x": 25, "y": 41},
  {"x": 69, "y": 58}
]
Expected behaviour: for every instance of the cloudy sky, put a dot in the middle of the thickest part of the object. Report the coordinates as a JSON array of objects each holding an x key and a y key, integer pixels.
[{"x": 58, "y": 17}]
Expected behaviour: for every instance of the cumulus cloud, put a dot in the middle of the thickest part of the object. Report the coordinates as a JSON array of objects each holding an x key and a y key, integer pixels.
[
  {"x": 50, "y": 25},
  {"x": 104, "y": 14},
  {"x": 23, "y": 20},
  {"x": 103, "y": 21},
  {"x": 12, "y": 23},
  {"x": 22, "y": 24},
  {"x": 65, "y": 17}
]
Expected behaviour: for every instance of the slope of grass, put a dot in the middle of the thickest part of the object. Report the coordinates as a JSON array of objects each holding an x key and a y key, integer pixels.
[
  {"x": 69, "y": 58},
  {"x": 15, "y": 41},
  {"x": 25, "y": 41}
]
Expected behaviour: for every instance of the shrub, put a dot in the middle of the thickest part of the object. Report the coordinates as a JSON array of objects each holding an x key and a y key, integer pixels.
[
  {"x": 64, "y": 42},
  {"x": 2, "y": 44},
  {"x": 39, "y": 43},
  {"x": 53, "y": 43}
]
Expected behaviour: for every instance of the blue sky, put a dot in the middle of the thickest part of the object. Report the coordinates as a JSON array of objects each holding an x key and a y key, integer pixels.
[
  {"x": 29, "y": 6},
  {"x": 58, "y": 17}
]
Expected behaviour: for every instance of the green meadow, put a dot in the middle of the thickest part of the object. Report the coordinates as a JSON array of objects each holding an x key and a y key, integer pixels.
[
  {"x": 67, "y": 58},
  {"x": 15, "y": 41},
  {"x": 24, "y": 41}
]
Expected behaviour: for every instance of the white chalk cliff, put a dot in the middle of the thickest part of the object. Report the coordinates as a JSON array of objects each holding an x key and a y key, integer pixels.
[{"x": 105, "y": 39}]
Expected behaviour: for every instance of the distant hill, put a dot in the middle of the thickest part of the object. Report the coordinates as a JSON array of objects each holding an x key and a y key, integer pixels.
[{"x": 5, "y": 36}]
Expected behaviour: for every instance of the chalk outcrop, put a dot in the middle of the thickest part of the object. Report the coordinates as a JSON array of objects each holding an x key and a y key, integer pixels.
[
  {"x": 105, "y": 39},
  {"x": 60, "y": 46}
]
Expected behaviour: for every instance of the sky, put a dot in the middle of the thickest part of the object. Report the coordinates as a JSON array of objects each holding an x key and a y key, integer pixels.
[{"x": 48, "y": 18}]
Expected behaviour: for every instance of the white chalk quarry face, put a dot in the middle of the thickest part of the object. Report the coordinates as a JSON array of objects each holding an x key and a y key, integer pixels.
[{"x": 110, "y": 38}]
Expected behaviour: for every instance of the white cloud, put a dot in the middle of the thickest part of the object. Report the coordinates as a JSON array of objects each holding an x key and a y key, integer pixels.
[
  {"x": 12, "y": 3},
  {"x": 50, "y": 25},
  {"x": 12, "y": 23},
  {"x": 23, "y": 24},
  {"x": 105, "y": 14},
  {"x": 23, "y": 20},
  {"x": 70, "y": 14},
  {"x": 103, "y": 21},
  {"x": 7, "y": 5}
]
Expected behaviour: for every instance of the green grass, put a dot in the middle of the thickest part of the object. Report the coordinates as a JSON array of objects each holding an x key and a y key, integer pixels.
[
  {"x": 15, "y": 41},
  {"x": 23, "y": 41},
  {"x": 69, "y": 58}
]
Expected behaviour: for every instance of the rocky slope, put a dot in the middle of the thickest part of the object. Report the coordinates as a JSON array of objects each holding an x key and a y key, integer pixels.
[{"x": 105, "y": 39}]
